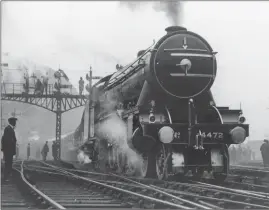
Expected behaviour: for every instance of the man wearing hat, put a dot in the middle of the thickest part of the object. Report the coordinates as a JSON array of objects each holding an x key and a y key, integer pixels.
[{"x": 9, "y": 146}]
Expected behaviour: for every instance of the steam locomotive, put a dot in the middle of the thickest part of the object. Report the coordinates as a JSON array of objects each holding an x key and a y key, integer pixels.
[{"x": 164, "y": 99}]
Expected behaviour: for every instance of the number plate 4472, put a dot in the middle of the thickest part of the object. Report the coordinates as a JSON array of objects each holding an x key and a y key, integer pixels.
[{"x": 212, "y": 135}]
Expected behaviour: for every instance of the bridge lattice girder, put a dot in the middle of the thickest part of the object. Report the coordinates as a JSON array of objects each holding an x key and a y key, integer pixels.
[
  {"x": 54, "y": 101},
  {"x": 49, "y": 102}
]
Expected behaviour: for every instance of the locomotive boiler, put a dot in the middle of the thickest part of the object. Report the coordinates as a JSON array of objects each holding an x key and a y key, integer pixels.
[{"x": 165, "y": 101}]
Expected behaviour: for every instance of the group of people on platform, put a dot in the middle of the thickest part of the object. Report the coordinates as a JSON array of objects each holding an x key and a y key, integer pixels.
[
  {"x": 40, "y": 86},
  {"x": 55, "y": 148},
  {"x": 240, "y": 154}
]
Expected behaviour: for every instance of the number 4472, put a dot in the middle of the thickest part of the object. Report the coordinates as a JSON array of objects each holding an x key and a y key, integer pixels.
[{"x": 212, "y": 135}]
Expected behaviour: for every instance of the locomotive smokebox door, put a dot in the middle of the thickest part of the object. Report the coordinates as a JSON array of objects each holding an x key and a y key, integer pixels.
[{"x": 184, "y": 65}]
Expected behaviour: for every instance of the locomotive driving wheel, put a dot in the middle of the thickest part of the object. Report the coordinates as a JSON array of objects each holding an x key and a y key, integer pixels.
[{"x": 161, "y": 164}]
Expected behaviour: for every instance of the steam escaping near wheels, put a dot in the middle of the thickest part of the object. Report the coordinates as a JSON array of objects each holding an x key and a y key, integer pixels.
[
  {"x": 83, "y": 158},
  {"x": 114, "y": 131}
]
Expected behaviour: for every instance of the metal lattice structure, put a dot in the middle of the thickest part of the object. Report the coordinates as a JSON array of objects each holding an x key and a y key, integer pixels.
[
  {"x": 58, "y": 101},
  {"x": 52, "y": 103}
]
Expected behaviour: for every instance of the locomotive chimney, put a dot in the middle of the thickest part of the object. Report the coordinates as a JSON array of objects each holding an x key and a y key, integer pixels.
[{"x": 172, "y": 29}]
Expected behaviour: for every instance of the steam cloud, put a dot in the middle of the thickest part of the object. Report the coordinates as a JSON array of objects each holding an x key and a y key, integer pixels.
[
  {"x": 114, "y": 130},
  {"x": 172, "y": 8},
  {"x": 83, "y": 158}
]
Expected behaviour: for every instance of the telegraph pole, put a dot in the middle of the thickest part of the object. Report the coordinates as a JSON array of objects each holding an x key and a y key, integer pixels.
[{"x": 58, "y": 114}]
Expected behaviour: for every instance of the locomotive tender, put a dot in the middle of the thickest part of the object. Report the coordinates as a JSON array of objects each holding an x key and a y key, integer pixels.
[{"x": 172, "y": 120}]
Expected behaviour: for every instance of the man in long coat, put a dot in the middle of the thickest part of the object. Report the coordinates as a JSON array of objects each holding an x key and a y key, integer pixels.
[
  {"x": 45, "y": 151},
  {"x": 9, "y": 146},
  {"x": 265, "y": 153},
  {"x": 54, "y": 150}
]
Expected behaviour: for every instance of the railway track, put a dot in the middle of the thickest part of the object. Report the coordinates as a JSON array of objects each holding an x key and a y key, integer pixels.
[
  {"x": 254, "y": 175},
  {"x": 233, "y": 181},
  {"x": 191, "y": 194},
  {"x": 18, "y": 193},
  {"x": 68, "y": 192},
  {"x": 126, "y": 194},
  {"x": 250, "y": 168},
  {"x": 11, "y": 193}
]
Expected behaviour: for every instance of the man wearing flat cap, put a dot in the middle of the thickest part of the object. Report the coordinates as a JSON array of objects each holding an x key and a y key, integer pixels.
[{"x": 9, "y": 146}]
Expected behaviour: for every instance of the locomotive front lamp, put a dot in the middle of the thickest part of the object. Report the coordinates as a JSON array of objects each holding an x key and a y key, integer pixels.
[
  {"x": 166, "y": 134},
  {"x": 242, "y": 119},
  {"x": 238, "y": 135},
  {"x": 151, "y": 118}
]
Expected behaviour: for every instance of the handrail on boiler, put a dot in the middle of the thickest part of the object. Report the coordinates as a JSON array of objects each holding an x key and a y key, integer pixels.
[{"x": 130, "y": 65}]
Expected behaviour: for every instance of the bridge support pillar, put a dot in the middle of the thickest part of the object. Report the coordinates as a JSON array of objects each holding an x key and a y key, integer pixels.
[{"x": 58, "y": 126}]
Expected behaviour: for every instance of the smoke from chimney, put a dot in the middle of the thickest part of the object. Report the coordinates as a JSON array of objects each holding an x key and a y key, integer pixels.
[{"x": 172, "y": 8}]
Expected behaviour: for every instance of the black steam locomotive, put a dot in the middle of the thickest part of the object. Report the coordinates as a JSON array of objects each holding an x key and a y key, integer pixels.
[{"x": 164, "y": 99}]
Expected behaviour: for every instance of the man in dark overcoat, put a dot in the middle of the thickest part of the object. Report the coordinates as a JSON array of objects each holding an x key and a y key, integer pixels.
[
  {"x": 9, "y": 146},
  {"x": 54, "y": 150},
  {"x": 45, "y": 151},
  {"x": 265, "y": 153}
]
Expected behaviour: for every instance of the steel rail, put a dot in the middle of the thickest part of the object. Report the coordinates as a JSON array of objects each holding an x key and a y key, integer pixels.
[
  {"x": 48, "y": 199},
  {"x": 247, "y": 168},
  {"x": 232, "y": 190},
  {"x": 212, "y": 199},
  {"x": 184, "y": 184},
  {"x": 133, "y": 185},
  {"x": 261, "y": 193},
  {"x": 151, "y": 187},
  {"x": 247, "y": 184},
  {"x": 40, "y": 167},
  {"x": 244, "y": 192},
  {"x": 43, "y": 171},
  {"x": 122, "y": 190}
]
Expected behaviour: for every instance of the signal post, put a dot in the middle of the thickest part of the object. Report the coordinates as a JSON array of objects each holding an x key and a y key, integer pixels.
[{"x": 91, "y": 103}]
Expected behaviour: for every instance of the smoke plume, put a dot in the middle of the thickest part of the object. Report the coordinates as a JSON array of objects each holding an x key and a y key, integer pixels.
[{"x": 172, "y": 8}]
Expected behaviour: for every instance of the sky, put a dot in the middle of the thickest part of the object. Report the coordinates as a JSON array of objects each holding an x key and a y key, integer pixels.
[{"x": 77, "y": 35}]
